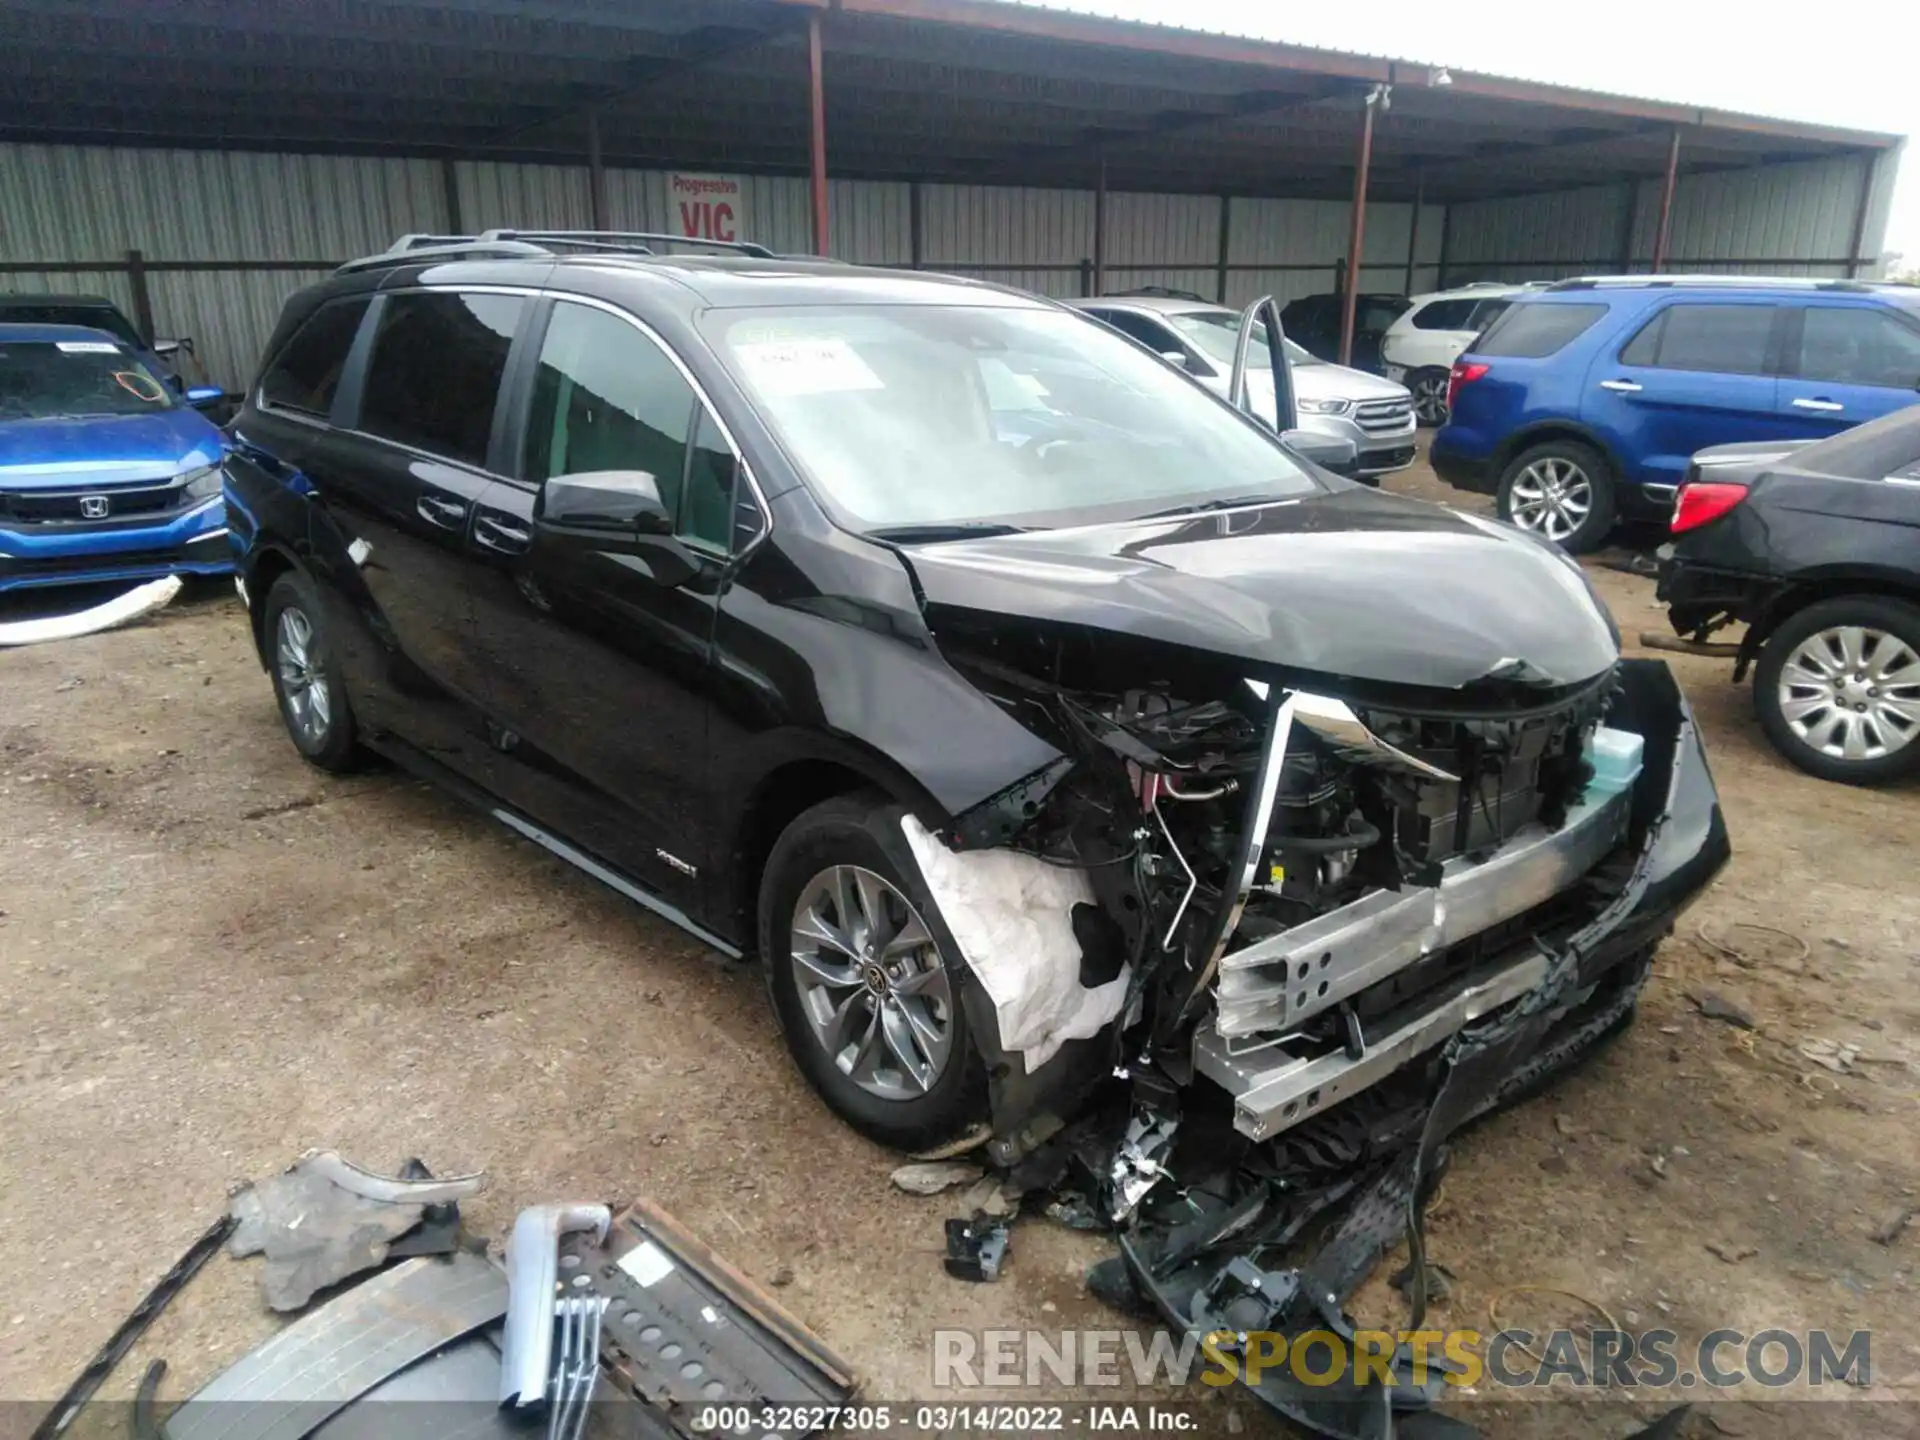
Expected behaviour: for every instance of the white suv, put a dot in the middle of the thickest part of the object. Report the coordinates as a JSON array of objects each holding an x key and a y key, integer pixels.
[{"x": 1421, "y": 346}]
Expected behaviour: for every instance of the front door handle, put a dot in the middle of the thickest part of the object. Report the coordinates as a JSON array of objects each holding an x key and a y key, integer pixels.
[
  {"x": 1825, "y": 406},
  {"x": 1621, "y": 387},
  {"x": 447, "y": 514},
  {"x": 503, "y": 536}
]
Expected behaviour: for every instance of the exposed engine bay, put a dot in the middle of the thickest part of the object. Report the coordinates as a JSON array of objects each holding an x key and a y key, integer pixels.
[{"x": 1367, "y": 919}]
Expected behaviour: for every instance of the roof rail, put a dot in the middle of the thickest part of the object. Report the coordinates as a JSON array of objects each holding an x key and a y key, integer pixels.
[
  {"x": 634, "y": 241},
  {"x": 510, "y": 244},
  {"x": 1709, "y": 282}
]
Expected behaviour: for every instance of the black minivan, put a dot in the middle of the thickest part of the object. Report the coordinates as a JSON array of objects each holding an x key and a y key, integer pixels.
[{"x": 1013, "y": 698}]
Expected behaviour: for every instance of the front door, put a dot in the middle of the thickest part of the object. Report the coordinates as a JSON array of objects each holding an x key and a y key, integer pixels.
[
  {"x": 597, "y": 656},
  {"x": 1847, "y": 363}
]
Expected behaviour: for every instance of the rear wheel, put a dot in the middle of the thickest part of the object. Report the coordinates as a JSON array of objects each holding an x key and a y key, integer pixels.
[
  {"x": 867, "y": 998},
  {"x": 1429, "y": 390},
  {"x": 1562, "y": 491},
  {"x": 306, "y": 675},
  {"x": 1838, "y": 689}
]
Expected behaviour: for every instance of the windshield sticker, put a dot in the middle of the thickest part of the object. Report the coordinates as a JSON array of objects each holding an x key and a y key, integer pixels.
[
  {"x": 806, "y": 367},
  {"x": 86, "y": 347}
]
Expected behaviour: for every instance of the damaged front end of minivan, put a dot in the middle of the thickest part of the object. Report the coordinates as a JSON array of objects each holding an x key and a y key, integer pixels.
[{"x": 1313, "y": 882}]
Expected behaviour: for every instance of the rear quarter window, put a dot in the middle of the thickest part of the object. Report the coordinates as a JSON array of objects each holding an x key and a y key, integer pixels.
[
  {"x": 1538, "y": 329},
  {"x": 305, "y": 375},
  {"x": 1444, "y": 315}
]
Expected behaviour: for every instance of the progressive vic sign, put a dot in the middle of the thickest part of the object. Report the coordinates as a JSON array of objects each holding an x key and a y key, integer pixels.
[{"x": 707, "y": 207}]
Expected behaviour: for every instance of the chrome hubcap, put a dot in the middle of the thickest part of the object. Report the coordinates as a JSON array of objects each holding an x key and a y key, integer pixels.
[
  {"x": 1430, "y": 399},
  {"x": 309, "y": 701},
  {"x": 1551, "y": 497},
  {"x": 871, "y": 983},
  {"x": 1852, "y": 693}
]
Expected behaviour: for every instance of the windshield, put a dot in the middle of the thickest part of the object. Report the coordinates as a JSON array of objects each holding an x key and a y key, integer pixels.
[
  {"x": 1214, "y": 333},
  {"x": 909, "y": 416},
  {"x": 67, "y": 379},
  {"x": 65, "y": 312}
]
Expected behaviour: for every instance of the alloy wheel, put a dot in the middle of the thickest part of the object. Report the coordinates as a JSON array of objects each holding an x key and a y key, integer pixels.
[
  {"x": 1551, "y": 497},
  {"x": 871, "y": 982},
  {"x": 1430, "y": 399},
  {"x": 303, "y": 683},
  {"x": 1852, "y": 692}
]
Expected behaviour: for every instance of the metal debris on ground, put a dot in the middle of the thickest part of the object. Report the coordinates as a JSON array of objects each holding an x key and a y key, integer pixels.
[
  {"x": 326, "y": 1219},
  {"x": 976, "y": 1248},
  {"x": 930, "y": 1178},
  {"x": 1712, "y": 1005},
  {"x": 1728, "y": 943}
]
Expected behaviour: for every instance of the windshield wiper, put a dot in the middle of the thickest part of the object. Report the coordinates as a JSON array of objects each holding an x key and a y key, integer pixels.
[
  {"x": 951, "y": 530},
  {"x": 1233, "y": 503}
]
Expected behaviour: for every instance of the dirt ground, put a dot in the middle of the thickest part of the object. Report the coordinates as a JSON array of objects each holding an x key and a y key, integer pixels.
[{"x": 213, "y": 957}]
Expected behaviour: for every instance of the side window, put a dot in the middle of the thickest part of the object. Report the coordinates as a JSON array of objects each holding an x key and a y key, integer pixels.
[
  {"x": 1148, "y": 332},
  {"x": 1538, "y": 329},
  {"x": 1443, "y": 315},
  {"x": 707, "y": 516},
  {"x": 607, "y": 397},
  {"x": 305, "y": 374},
  {"x": 1726, "y": 339},
  {"x": 1858, "y": 346},
  {"x": 435, "y": 372},
  {"x": 1485, "y": 313}
]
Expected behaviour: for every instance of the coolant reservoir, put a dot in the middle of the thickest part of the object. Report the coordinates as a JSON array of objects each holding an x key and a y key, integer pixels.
[{"x": 1615, "y": 757}]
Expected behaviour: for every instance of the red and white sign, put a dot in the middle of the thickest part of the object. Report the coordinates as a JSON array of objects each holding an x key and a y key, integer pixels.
[{"x": 708, "y": 207}]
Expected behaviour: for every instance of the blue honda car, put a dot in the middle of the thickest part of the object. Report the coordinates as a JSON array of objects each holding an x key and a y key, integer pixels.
[{"x": 105, "y": 472}]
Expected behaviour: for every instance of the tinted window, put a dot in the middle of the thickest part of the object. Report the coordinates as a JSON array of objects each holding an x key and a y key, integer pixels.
[
  {"x": 708, "y": 514},
  {"x": 1376, "y": 315},
  {"x": 1859, "y": 347},
  {"x": 435, "y": 372},
  {"x": 1726, "y": 339},
  {"x": 1486, "y": 312},
  {"x": 1150, "y": 334},
  {"x": 307, "y": 372},
  {"x": 1444, "y": 315},
  {"x": 606, "y": 397},
  {"x": 1533, "y": 331}
]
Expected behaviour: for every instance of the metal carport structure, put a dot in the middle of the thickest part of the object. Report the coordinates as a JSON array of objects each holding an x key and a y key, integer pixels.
[{"x": 199, "y": 159}]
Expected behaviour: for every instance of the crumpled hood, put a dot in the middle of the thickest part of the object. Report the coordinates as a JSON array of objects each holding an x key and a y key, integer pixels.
[
  {"x": 105, "y": 450},
  {"x": 1355, "y": 584}
]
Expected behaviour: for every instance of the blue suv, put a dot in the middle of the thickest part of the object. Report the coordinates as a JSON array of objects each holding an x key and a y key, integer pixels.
[{"x": 1583, "y": 404}]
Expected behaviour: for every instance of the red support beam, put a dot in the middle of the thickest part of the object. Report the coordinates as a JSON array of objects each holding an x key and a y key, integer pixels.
[
  {"x": 1350, "y": 298},
  {"x": 817, "y": 77},
  {"x": 1666, "y": 204}
]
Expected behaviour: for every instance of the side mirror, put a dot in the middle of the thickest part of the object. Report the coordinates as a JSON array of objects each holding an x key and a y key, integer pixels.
[
  {"x": 201, "y": 396},
  {"x": 168, "y": 349},
  {"x": 1329, "y": 452},
  {"x": 1175, "y": 357},
  {"x": 627, "y": 500}
]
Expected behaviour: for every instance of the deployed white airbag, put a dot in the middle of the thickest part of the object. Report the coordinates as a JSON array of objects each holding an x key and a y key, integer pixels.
[
  {"x": 117, "y": 611},
  {"x": 1012, "y": 916}
]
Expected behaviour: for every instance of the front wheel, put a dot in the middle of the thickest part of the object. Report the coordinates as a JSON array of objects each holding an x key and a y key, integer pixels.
[
  {"x": 867, "y": 998},
  {"x": 1562, "y": 491},
  {"x": 1838, "y": 689},
  {"x": 1429, "y": 390},
  {"x": 306, "y": 676}
]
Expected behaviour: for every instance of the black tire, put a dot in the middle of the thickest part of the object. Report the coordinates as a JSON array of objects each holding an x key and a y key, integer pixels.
[
  {"x": 1580, "y": 465},
  {"x": 1429, "y": 390},
  {"x": 1898, "y": 622},
  {"x": 863, "y": 831},
  {"x": 330, "y": 743}
]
